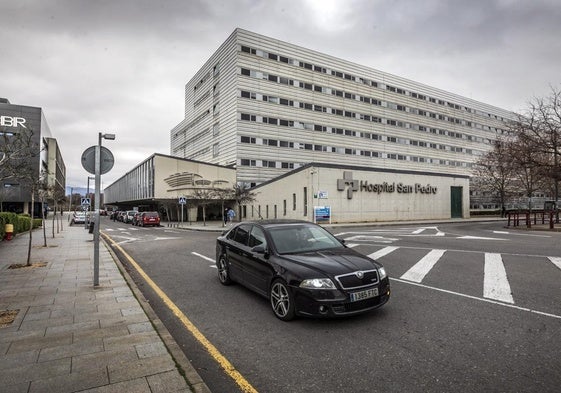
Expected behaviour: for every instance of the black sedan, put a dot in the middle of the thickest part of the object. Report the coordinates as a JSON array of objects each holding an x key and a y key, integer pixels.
[{"x": 302, "y": 268}]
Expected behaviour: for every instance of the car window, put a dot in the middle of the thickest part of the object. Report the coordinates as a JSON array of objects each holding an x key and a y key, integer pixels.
[
  {"x": 302, "y": 238},
  {"x": 242, "y": 234},
  {"x": 257, "y": 237}
]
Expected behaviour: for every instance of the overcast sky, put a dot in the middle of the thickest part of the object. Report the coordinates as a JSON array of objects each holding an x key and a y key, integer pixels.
[{"x": 121, "y": 66}]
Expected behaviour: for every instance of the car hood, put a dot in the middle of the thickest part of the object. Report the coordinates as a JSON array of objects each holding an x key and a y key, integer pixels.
[{"x": 332, "y": 262}]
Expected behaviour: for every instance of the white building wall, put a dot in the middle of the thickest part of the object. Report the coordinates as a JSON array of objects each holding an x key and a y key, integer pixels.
[
  {"x": 401, "y": 196},
  {"x": 456, "y": 144}
]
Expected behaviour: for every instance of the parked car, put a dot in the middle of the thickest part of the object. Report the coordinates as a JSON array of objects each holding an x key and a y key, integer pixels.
[
  {"x": 78, "y": 217},
  {"x": 302, "y": 268},
  {"x": 149, "y": 218},
  {"x": 136, "y": 218},
  {"x": 121, "y": 216},
  {"x": 127, "y": 218}
]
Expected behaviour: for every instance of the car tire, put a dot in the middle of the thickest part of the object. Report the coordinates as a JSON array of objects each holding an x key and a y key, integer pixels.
[
  {"x": 223, "y": 270},
  {"x": 282, "y": 301}
]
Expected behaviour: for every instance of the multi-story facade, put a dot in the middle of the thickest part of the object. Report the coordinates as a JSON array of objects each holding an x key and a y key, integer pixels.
[
  {"x": 15, "y": 195},
  {"x": 267, "y": 107}
]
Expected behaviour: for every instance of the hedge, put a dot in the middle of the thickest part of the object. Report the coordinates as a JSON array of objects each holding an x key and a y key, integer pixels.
[{"x": 20, "y": 222}]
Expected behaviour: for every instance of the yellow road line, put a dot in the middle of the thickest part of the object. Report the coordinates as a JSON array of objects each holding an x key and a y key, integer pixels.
[{"x": 244, "y": 385}]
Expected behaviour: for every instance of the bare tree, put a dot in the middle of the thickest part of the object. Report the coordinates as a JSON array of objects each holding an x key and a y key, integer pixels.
[
  {"x": 18, "y": 150},
  {"x": 243, "y": 195},
  {"x": 223, "y": 194},
  {"x": 494, "y": 172},
  {"x": 203, "y": 197},
  {"x": 540, "y": 128},
  {"x": 526, "y": 167}
]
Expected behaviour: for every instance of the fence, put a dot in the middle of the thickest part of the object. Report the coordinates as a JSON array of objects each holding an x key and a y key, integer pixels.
[{"x": 536, "y": 217}]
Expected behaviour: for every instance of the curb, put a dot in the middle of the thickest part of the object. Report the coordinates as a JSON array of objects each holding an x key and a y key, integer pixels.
[{"x": 194, "y": 380}]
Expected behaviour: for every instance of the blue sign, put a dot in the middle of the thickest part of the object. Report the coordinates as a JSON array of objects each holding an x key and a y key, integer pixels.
[
  {"x": 322, "y": 213},
  {"x": 182, "y": 200}
]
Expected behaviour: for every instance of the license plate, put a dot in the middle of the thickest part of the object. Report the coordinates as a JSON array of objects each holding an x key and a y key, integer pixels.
[{"x": 366, "y": 294}]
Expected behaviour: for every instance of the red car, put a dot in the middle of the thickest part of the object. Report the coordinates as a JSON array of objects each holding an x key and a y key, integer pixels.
[{"x": 149, "y": 218}]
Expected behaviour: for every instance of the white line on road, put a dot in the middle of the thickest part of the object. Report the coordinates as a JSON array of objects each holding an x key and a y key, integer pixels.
[
  {"x": 202, "y": 256},
  {"x": 479, "y": 298},
  {"x": 495, "y": 282},
  {"x": 383, "y": 252},
  {"x": 556, "y": 261},
  {"x": 421, "y": 268},
  {"x": 479, "y": 238}
]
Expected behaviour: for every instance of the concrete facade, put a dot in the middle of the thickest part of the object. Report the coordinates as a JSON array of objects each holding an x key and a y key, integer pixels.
[
  {"x": 360, "y": 194},
  {"x": 268, "y": 107},
  {"x": 162, "y": 179}
]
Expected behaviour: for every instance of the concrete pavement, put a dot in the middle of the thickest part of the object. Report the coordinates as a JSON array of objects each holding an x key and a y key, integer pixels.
[{"x": 68, "y": 336}]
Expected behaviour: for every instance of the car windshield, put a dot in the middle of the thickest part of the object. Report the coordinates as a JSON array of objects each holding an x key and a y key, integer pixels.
[{"x": 302, "y": 238}]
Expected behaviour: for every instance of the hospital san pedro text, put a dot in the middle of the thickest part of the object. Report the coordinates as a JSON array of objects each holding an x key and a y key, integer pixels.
[{"x": 399, "y": 187}]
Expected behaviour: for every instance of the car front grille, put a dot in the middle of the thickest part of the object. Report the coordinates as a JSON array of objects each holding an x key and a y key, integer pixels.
[
  {"x": 352, "y": 280},
  {"x": 356, "y": 306}
]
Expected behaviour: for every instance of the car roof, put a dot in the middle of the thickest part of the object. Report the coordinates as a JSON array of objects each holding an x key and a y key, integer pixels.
[{"x": 279, "y": 222}]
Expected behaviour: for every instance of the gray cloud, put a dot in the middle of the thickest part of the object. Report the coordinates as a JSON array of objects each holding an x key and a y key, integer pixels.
[{"x": 121, "y": 66}]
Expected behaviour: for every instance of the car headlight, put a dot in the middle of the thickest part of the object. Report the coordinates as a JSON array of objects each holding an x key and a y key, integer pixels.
[
  {"x": 317, "y": 283},
  {"x": 382, "y": 272}
]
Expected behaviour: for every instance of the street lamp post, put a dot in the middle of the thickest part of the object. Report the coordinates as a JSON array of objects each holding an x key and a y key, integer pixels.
[{"x": 96, "y": 207}]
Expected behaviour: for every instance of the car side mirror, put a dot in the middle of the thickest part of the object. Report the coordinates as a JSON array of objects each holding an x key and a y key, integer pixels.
[
  {"x": 341, "y": 240},
  {"x": 261, "y": 250},
  {"x": 258, "y": 249}
]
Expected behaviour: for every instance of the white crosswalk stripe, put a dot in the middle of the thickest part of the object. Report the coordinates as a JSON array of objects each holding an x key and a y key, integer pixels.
[
  {"x": 495, "y": 282},
  {"x": 383, "y": 252},
  {"x": 556, "y": 261},
  {"x": 421, "y": 268}
]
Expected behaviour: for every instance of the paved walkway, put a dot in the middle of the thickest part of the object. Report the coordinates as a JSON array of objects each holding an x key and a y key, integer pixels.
[{"x": 68, "y": 336}]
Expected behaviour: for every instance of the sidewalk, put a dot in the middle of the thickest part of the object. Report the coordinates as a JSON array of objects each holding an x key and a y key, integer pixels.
[{"x": 68, "y": 336}]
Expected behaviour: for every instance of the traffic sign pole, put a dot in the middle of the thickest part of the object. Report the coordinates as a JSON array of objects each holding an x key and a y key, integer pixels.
[{"x": 182, "y": 202}]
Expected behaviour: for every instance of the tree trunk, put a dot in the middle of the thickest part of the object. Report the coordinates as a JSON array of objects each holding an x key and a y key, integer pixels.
[
  {"x": 30, "y": 229},
  {"x": 44, "y": 222}
]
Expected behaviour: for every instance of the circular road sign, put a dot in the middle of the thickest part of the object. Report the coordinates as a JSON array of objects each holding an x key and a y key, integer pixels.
[{"x": 88, "y": 160}]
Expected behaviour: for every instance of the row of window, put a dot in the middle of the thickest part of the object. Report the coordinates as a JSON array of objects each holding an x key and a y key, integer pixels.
[
  {"x": 192, "y": 124},
  {"x": 215, "y": 73},
  {"x": 383, "y": 138},
  {"x": 365, "y": 81},
  {"x": 359, "y": 134},
  {"x": 248, "y": 162},
  {"x": 369, "y": 100},
  {"x": 344, "y": 113}
]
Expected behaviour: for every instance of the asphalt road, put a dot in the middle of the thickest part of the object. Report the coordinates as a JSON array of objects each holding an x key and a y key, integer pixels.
[{"x": 475, "y": 307}]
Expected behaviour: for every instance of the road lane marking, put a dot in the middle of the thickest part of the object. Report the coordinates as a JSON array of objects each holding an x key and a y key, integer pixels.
[
  {"x": 370, "y": 238},
  {"x": 383, "y": 252},
  {"x": 243, "y": 384},
  {"x": 495, "y": 281},
  {"x": 556, "y": 261},
  {"x": 421, "y": 268},
  {"x": 203, "y": 256},
  {"x": 546, "y": 314},
  {"x": 479, "y": 238}
]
